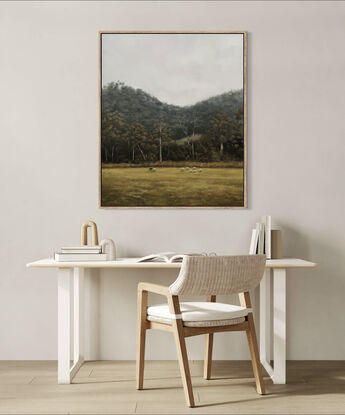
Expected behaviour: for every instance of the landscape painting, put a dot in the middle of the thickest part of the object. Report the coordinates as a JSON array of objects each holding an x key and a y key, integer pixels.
[{"x": 173, "y": 120}]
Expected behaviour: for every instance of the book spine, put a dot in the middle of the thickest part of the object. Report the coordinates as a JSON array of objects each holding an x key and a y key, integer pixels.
[
  {"x": 253, "y": 242},
  {"x": 268, "y": 243},
  {"x": 261, "y": 238}
]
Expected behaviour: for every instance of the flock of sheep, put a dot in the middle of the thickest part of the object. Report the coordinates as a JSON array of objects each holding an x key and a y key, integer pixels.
[
  {"x": 183, "y": 169},
  {"x": 191, "y": 170}
]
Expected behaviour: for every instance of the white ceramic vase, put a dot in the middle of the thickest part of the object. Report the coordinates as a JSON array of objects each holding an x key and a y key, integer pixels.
[{"x": 108, "y": 247}]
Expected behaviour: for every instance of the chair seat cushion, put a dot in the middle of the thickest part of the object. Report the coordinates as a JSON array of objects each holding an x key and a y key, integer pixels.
[
  {"x": 200, "y": 314},
  {"x": 206, "y": 323}
]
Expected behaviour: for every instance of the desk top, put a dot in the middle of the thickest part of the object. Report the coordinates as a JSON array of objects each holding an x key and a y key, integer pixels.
[{"x": 133, "y": 263}]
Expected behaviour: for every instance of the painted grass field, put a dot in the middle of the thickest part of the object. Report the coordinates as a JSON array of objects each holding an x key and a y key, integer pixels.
[{"x": 169, "y": 186}]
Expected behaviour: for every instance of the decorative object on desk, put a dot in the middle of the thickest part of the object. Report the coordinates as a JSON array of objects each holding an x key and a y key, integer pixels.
[
  {"x": 260, "y": 242},
  {"x": 276, "y": 247},
  {"x": 84, "y": 252},
  {"x": 83, "y": 233},
  {"x": 173, "y": 119},
  {"x": 108, "y": 247}
]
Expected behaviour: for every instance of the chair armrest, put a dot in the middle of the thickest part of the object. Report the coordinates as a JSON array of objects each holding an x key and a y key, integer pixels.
[{"x": 154, "y": 288}]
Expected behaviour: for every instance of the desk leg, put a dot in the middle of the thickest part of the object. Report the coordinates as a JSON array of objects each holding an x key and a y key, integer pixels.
[
  {"x": 78, "y": 320},
  {"x": 64, "y": 315},
  {"x": 279, "y": 326},
  {"x": 265, "y": 322}
]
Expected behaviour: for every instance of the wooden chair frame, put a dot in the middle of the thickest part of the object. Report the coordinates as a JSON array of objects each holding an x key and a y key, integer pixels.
[{"x": 180, "y": 333}]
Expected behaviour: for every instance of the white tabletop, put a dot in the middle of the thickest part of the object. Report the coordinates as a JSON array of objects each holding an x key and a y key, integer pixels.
[{"x": 133, "y": 263}]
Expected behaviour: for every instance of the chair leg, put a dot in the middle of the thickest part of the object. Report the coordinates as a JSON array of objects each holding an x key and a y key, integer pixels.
[
  {"x": 208, "y": 355},
  {"x": 208, "y": 346},
  {"x": 183, "y": 362},
  {"x": 141, "y": 337},
  {"x": 254, "y": 353}
]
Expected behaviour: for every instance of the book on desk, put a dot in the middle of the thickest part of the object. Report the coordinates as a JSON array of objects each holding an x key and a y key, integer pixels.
[{"x": 80, "y": 253}]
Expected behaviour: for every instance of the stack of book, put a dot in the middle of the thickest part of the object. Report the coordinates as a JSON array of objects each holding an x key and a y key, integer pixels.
[
  {"x": 261, "y": 237},
  {"x": 80, "y": 253}
]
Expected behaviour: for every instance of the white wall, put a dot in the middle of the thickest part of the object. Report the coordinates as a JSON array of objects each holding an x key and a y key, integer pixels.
[{"x": 49, "y": 169}]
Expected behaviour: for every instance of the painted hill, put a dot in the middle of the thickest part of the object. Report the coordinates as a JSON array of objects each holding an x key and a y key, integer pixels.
[{"x": 137, "y": 106}]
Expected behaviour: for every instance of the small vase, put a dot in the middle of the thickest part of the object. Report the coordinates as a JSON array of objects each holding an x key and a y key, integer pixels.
[{"x": 108, "y": 247}]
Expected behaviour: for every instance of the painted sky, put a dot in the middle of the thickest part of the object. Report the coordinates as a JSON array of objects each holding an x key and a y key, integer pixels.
[{"x": 179, "y": 69}]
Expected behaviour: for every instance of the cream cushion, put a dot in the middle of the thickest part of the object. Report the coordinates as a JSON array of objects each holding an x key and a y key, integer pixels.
[{"x": 200, "y": 314}]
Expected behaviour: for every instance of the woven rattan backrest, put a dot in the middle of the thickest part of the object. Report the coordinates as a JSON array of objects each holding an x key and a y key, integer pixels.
[{"x": 204, "y": 275}]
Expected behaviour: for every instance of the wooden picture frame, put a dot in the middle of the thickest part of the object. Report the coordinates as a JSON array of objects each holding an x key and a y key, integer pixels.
[{"x": 132, "y": 205}]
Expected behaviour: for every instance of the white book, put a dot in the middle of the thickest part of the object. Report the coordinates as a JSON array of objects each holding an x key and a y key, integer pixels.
[
  {"x": 254, "y": 242},
  {"x": 168, "y": 257},
  {"x": 267, "y": 221},
  {"x": 81, "y": 251},
  {"x": 261, "y": 245},
  {"x": 61, "y": 257}
]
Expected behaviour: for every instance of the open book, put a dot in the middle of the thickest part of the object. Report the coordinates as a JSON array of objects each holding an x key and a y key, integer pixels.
[{"x": 168, "y": 257}]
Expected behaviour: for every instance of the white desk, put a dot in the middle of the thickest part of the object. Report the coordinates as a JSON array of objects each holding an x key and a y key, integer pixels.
[{"x": 68, "y": 271}]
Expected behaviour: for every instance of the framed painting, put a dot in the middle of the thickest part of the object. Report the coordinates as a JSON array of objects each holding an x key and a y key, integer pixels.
[{"x": 173, "y": 120}]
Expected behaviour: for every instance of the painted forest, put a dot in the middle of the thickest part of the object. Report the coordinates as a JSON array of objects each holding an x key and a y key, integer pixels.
[{"x": 139, "y": 129}]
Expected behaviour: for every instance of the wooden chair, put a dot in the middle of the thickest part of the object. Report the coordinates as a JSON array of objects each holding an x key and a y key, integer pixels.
[{"x": 210, "y": 276}]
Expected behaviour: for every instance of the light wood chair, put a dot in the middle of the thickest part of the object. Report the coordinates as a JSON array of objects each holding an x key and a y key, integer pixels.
[{"x": 209, "y": 276}]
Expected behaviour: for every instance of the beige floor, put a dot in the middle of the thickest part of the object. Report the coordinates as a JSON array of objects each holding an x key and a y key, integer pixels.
[{"x": 107, "y": 387}]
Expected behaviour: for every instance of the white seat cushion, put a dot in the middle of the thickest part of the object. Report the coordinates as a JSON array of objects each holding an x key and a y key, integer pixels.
[{"x": 198, "y": 314}]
